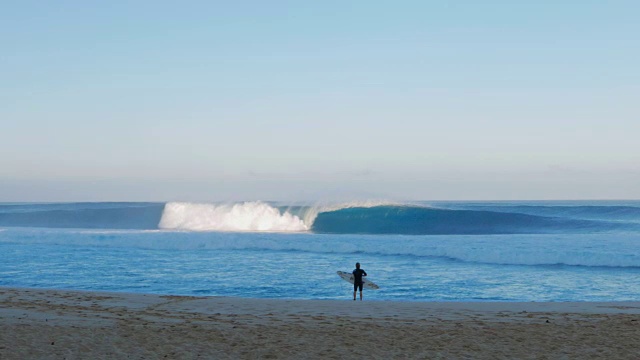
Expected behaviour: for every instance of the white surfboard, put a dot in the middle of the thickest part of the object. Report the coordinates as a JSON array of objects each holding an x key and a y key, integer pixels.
[{"x": 367, "y": 284}]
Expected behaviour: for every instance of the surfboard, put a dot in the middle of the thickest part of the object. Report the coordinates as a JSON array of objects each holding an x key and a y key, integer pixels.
[{"x": 366, "y": 283}]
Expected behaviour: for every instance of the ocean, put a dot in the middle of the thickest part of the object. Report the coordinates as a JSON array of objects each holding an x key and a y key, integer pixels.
[{"x": 415, "y": 251}]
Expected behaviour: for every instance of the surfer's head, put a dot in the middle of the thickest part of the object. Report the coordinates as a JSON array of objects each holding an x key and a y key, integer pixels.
[{"x": 357, "y": 265}]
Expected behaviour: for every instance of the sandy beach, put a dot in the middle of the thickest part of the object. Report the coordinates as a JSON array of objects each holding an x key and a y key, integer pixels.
[{"x": 54, "y": 324}]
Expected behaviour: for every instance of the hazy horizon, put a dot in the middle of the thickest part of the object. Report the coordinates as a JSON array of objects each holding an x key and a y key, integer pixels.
[{"x": 415, "y": 100}]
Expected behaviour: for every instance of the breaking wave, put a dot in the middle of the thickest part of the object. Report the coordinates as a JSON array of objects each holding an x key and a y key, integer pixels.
[
  {"x": 371, "y": 217},
  {"x": 247, "y": 216}
]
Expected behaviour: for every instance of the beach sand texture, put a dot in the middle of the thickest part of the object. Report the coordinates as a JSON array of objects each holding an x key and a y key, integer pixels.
[{"x": 54, "y": 324}]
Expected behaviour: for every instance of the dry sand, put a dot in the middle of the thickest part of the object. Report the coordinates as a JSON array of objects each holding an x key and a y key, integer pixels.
[{"x": 53, "y": 324}]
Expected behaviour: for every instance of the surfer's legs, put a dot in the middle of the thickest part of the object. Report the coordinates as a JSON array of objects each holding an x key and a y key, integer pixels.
[{"x": 356, "y": 287}]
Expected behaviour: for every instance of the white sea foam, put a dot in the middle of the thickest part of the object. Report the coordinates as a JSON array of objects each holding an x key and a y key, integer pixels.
[{"x": 246, "y": 216}]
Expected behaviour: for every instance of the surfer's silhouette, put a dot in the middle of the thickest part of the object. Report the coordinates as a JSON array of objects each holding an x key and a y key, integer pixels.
[{"x": 357, "y": 280}]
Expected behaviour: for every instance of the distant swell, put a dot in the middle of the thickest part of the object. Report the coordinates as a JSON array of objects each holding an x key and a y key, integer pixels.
[
  {"x": 591, "y": 250},
  {"x": 133, "y": 216}
]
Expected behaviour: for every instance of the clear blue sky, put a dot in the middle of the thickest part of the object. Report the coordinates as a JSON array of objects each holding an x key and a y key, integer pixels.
[{"x": 281, "y": 100}]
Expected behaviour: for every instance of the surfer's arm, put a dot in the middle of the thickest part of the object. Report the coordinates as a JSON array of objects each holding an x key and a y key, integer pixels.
[{"x": 364, "y": 273}]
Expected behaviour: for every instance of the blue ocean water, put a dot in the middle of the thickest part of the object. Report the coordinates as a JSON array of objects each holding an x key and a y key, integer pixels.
[{"x": 420, "y": 251}]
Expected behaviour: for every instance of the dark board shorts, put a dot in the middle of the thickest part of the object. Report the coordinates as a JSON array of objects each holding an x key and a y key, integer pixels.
[{"x": 357, "y": 285}]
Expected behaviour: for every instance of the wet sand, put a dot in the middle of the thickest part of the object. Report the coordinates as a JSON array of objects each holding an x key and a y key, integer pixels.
[{"x": 55, "y": 324}]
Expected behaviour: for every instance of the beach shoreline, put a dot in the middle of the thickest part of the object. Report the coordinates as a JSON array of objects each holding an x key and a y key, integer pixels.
[{"x": 56, "y": 324}]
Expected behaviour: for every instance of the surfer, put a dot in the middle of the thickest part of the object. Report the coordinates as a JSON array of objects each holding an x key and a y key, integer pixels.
[{"x": 357, "y": 280}]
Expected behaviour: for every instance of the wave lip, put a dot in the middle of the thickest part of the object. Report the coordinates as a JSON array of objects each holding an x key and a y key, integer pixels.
[
  {"x": 417, "y": 220},
  {"x": 246, "y": 216}
]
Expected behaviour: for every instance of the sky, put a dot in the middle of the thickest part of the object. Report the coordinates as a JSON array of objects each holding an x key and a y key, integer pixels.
[{"x": 311, "y": 100}]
